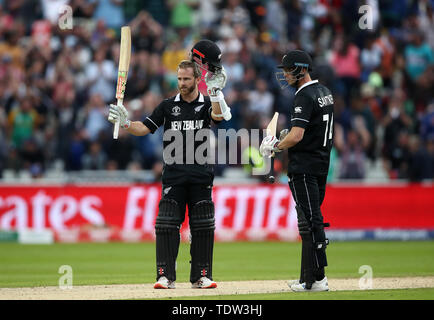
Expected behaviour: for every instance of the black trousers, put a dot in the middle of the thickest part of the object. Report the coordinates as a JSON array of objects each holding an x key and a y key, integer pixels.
[
  {"x": 202, "y": 242},
  {"x": 187, "y": 195},
  {"x": 308, "y": 192}
]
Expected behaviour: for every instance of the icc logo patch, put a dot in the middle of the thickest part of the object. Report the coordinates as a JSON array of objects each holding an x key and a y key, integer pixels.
[{"x": 176, "y": 111}]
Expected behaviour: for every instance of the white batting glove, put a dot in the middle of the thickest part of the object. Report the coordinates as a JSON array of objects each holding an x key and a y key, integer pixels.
[
  {"x": 119, "y": 114},
  {"x": 269, "y": 146},
  {"x": 215, "y": 81},
  {"x": 283, "y": 134}
]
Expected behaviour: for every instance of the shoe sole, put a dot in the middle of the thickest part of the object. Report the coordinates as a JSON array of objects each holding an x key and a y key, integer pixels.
[
  {"x": 212, "y": 286},
  {"x": 293, "y": 282},
  {"x": 309, "y": 290},
  {"x": 160, "y": 286}
]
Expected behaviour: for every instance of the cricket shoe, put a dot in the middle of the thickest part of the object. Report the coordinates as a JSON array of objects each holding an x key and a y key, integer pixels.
[
  {"x": 316, "y": 286},
  {"x": 204, "y": 283},
  {"x": 292, "y": 282},
  {"x": 164, "y": 283}
]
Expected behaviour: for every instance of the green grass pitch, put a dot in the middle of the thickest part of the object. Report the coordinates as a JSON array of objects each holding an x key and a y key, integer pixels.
[{"x": 132, "y": 263}]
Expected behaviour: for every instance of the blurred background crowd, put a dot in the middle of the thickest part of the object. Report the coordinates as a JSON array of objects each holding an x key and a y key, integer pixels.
[{"x": 56, "y": 82}]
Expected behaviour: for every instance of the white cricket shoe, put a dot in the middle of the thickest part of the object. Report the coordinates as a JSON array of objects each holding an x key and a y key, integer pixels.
[
  {"x": 204, "y": 283},
  {"x": 292, "y": 282},
  {"x": 164, "y": 283},
  {"x": 316, "y": 286}
]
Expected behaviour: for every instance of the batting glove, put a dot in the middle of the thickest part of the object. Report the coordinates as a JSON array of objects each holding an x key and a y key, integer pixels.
[
  {"x": 283, "y": 134},
  {"x": 269, "y": 146},
  {"x": 215, "y": 81},
  {"x": 119, "y": 114}
]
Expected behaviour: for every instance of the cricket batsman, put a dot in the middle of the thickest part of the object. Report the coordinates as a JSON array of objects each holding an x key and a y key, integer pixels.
[
  {"x": 185, "y": 184},
  {"x": 309, "y": 142}
]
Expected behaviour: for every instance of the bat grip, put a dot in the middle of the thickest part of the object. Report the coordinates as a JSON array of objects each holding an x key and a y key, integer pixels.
[
  {"x": 116, "y": 128},
  {"x": 271, "y": 177}
]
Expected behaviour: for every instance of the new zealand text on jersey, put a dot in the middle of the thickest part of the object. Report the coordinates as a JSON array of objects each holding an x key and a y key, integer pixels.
[{"x": 187, "y": 125}]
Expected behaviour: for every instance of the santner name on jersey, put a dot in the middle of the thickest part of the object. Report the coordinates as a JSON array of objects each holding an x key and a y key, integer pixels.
[{"x": 325, "y": 101}]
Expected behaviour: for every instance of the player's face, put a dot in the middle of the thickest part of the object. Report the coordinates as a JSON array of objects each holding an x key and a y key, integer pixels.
[
  {"x": 187, "y": 83},
  {"x": 289, "y": 76}
]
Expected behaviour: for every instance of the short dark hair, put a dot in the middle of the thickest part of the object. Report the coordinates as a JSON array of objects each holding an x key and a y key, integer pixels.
[{"x": 185, "y": 64}]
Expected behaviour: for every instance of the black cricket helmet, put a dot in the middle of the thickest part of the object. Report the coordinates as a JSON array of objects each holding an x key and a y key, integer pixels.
[
  {"x": 295, "y": 62},
  {"x": 207, "y": 55}
]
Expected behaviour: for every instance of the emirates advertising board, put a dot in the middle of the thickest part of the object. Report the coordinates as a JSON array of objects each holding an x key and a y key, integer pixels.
[{"x": 242, "y": 212}]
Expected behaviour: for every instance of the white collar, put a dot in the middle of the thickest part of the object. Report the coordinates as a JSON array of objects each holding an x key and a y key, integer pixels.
[
  {"x": 306, "y": 84},
  {"x": 178, "y": 97}
]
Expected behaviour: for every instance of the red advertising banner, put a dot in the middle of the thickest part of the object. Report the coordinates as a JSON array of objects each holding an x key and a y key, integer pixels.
[{"x": 242, "y": 212}]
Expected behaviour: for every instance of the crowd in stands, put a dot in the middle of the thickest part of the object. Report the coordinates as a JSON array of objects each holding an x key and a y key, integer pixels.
[{"x": 56, "y": 82}]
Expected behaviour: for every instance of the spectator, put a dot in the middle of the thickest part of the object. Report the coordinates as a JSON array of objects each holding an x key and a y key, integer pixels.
[
  {"x": 361, "y": 110},
  {"x": 94, "y": 117},
  {"x": 11, "y": 51},
  {"x": 420, "y": 162},
  {"x": 95, "y": 158},
  {"x": 418, "y": 56},
  {"x": 395, "y": 122},
  {"x": 111, "y": 12},
  {"x": 235, "y": 13},
  {"x": 427, "y": 124},
  {"x": 101, "y": 76},
  {"x": 370, "y": 57},
  {"x": 276, "y": 18},
  {"x": 75, "y": 152},
  {"x": 260, "y": 100},
  {"x": 51, "y": 9},
  {"x": 82, "y": 8},
  {"x": 399, "y": 159},
  {"x": 174, "y": 53},
  {"x": 345, "y": 60},
  {"x": 426, "y": 21},
  {"x": 147, "y": 34},
  {"x": 234, "y": 69},
  {"x": 352, "y": 152},
  {"x": 182, "y": 13},
  {"x": 22, "y": 122},
  {"x": 32, "y": 157}
]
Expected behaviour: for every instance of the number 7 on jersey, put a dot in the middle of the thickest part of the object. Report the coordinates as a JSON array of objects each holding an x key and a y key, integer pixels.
[{"x": 328, "y": 129}]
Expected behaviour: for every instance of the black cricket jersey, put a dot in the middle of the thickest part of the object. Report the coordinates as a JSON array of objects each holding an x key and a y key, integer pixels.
[
  {"x": 313, "y": 111},
  {"x": 187, "y": 130}
]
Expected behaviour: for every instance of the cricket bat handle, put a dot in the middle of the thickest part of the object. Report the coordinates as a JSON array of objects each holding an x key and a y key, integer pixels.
[
  {"x": 116, "y": 128},
  {"x": 271, "y": 177}
]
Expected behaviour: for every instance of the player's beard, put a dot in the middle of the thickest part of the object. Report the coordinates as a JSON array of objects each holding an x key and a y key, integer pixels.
[
  {"x": 292, "y": 81},
  {"x": 186, "y": 90}
]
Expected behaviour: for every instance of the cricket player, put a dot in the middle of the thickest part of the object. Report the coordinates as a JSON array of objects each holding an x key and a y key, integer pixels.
[
  {"x": 309, "y": 141},
  {"x": 185, "y": 184}
]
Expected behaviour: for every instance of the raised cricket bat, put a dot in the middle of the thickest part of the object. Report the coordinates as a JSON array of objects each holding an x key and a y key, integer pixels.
[
  {"x": 271, "y": 130},
  {"x": 124, "y": 64}
]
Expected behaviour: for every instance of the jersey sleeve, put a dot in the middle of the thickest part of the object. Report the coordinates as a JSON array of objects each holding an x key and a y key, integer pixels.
[
  {"x": 301, "y": 113},
  {"x": 156, "y": 119}
]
